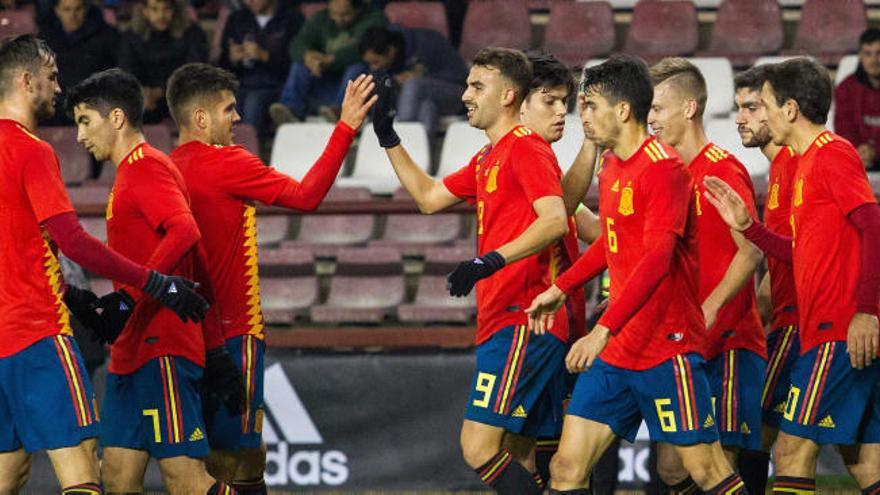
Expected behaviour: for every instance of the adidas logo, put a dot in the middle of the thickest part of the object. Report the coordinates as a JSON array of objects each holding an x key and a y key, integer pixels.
[
  {"x": 519, "y": 412},
  {"x": 710, "y": 422},
  {"x": 744, "y": 429},
  {"x": 123, "y": 306},
  {"x": 827, "y": 422},
  {"x": 197, "y": 435},
  {"x": 172, "y": 289}
]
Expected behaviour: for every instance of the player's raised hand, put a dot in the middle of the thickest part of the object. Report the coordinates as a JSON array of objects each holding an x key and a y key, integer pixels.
[
  {"x": 585, "y": 351},
  {"x": 177, "y": 294},
  {"x": 729, "y": 204},
  {"x": 384, "y": 112},
  {"x": 862, "y": 340},
  {"x": 358, "y": 100},
  {"x": 542, "y": 311}
]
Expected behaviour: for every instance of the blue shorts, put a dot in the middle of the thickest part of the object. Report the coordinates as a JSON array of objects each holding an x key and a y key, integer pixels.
[
  {"x": 519, "y": 383},
  {"x": 733, "y": 377},
  {"x": 672, "y": 397},
  {"x": 244, "y": 431},
  {"x": 157, "y": 408},
  {"x": 784, "y": 347},
  {"x": 829, "y": 401},
  {"x": 46, "y": 399}
]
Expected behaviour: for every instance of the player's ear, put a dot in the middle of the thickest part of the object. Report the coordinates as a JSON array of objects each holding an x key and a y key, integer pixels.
[
  {"x": 508, "y": 96},
  {"x": 624, "y": 111},
  {"x": 117, "y": 118},
  {"x": 690, "y": 108},
  {"x": 200, "y": 118},
  {"x": 791, "y": 110}
]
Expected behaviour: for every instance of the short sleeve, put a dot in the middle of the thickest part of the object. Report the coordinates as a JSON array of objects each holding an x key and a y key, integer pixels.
[
  {"x": 535, "y": 168},
  {"x": 463, "y": 182},
  {"x": 247, "y": 177},
  {"x": 159, "y": 196},
  {"x": 41, "y": 177},
  {"x": 845, "y": 176},
  {"x": 667, "y": 188}
]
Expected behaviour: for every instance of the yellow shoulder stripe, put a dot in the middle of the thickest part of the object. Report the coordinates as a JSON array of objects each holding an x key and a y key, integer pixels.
[{"x": 29, "y": 133}]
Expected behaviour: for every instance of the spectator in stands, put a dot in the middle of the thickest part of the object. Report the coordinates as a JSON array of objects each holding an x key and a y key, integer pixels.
[
  {"x": 857, "y": 102},
  {"x": 325, "y": 57},
  {"x": 429, "y": 73},
  {"x": 254, "y": 47},
  {"x": 161, "y": 39},
  {"x": 83, "y": 44}
]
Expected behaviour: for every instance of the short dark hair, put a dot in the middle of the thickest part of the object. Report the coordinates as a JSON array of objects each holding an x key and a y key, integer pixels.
[
  {"x": 513, "y": 64},
  {"x": 870, "y": 35},
  {"x": 103, "y": 91},
  {"x": 548, "y": 72},
  {"x": 21, "y": 52},
  {"x": 195, "y": 81},
  {"x": 379, "y": 39},
  {"x": 805, "y": 81},
  {"x": 685, "y": 76},
  {"x": 622, "y": 78},
  {"x": 752, "y": 78}
]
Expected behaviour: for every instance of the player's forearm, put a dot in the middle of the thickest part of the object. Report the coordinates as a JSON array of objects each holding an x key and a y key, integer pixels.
[
  {"x": 771, "y": 243},
  {"x": 544, "y": 231},
  {"x": 587, "y": 223},
  {"x": 866, "y": 218},
  {"x": 739, "y": 273},
  {"x": 587, "y": 267},
  {"x": 417, "y": 183},
  {"x": 576, "y": 182},
  {"x": 764, "y": 300},
  {"x": 308, "y": 194},
  {"x": 212, "y": 328},
  {"x": 181, "y": 235}
]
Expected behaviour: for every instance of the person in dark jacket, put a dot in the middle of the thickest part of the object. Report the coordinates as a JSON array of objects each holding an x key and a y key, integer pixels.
[
  {"x": 429, "y": 73},
  {"x": 857, "y": 102},
  {"x": 161, "y": 39},
  {"x": 83, "y": 44},
  {"x": 254, "y": 47}
]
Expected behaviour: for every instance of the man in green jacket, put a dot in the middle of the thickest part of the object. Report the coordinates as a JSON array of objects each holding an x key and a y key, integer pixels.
[{"x": 325, "y": 57}]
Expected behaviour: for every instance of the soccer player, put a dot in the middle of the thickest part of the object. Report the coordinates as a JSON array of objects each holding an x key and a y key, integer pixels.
[
  {"x": 834, "y": 397},
  {"x": 521, "y": 218},
  {"x": 46, "y": 400},
  {"x": 735, "y": 347},
  {"x": 151, "y": 404},
  {"x": 782, "y": 341},
  {"x": 224, "y": 181},
  {"x": 651, "y": 334}
]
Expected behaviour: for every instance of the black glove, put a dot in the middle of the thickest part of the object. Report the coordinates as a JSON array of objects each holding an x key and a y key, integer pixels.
[
  {"x": 465, "y": 276},
  {"x": 384, "y": 111},
  {"x": 222, "y": 383},
  {"x": 81, "y": 303},
  {"x": 115, "y": 309},
  {"x": 177, "y": 294}
]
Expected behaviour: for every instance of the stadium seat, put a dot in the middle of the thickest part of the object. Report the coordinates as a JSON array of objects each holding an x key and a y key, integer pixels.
[
  {"x": 366, "y": 288},
  {"x": 288, "y": 284},
  {"x": 297, "y": 146},
  {"x": 19, "y": 21},
  {"x": 425, "y": 15},
  {"x": 312, "y": 8},
  {"x": 76, "y": 162},
  {"x": 246, "y": 135},
  {"x": 578, "y": 31},
  {"x": 433, "y": 304},
  {"x": 719, "y": 81},
  {"x": 846, "y": 67},
  {"x": 723, "y": 133},
  {"x": 495, "y": 23},
  {"x": 323, "y": 235},
  {"x": 217, "y": 37},
  {"x": 413, "y": 234},
  {"x": 461, "y": 143},
  {"x": 569, "y": 146},
  {"x": 829, "y": 29},
  {"x": 160, "y": 137},
  {"x": 371, "y": 166},
  {"x": 661, "y": 28},
  {"x": 272, "y": 229},
  {"x": 745, "y": 30},
  {"x": 96, "y": 226}
]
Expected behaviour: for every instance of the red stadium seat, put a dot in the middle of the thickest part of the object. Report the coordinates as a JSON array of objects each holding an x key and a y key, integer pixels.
[
  {"x": 19, "y": 21},
  {"x": 76, "y": 163},
  {"x": 433, "y": 303},
  {"x": 366, "y": 288},
  {"x": 288, "y": 284},
  {"x": 323, "y": 235},
  {"x": 414, "y": 234},
  {"x": 312, "y": 8},
  {"x": 662, "y": 28},
  {"x": 160, "y": 137},
  {"x": 829, "y": 29},
  {"x": 425, "y": 15},
  {"x": 246, "y": 135},
  {"x": 495, "y": 23},
  {"x": 745, "y": 30},
  {"x": 579, "y": 31}
]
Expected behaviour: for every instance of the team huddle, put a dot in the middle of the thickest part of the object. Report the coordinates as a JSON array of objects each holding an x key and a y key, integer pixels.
[{"x": 679, "y": 345}]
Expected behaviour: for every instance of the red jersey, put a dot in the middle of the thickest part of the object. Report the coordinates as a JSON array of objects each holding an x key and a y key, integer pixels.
[
  {"x": 223, "y": 182},
  {"x": 738, "y": 324},
  {"x": 777, "y": 218},
  {"x": 149, "y": 190},
  {"x": 830, "y": 182},
  {"x": 31, "y": 191},
  {"x": 504, "y": 180},
  {"x": 651, "y": 192}
]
